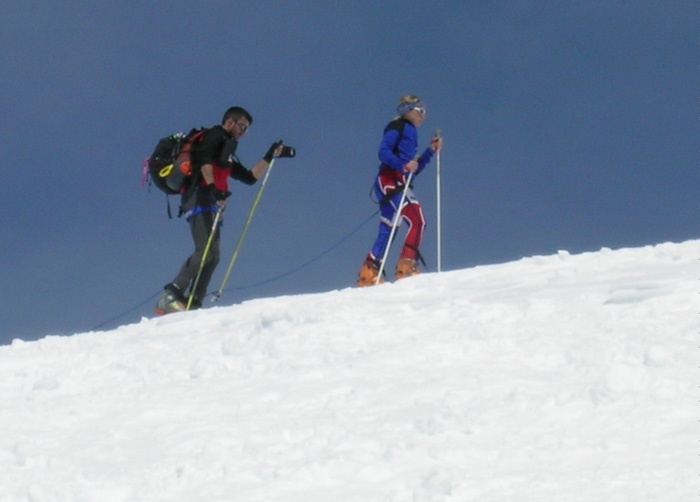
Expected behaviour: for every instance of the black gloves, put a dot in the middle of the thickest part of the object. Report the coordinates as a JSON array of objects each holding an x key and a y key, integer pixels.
[
  {"x": 287, "y": 151},
  {"x": 216, "y": 194},
  {"x": 271, "y": 152}
]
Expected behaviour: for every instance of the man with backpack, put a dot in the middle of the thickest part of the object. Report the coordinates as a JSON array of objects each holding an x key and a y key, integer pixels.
[{"x": 213, "y": 161}]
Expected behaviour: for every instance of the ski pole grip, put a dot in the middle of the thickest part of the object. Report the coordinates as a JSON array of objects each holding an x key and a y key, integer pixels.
[{"x": 435, "y": 140}]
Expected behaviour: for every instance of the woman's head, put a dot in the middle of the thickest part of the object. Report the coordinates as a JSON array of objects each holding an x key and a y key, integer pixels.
[{"x": 412, "y": 109}]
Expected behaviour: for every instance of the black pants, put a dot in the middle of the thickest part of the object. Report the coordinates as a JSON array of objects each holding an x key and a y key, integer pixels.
[{"x": 200, "y": 226}]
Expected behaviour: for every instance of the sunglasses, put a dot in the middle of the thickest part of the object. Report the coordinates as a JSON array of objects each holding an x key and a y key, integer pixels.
[
  {"x": 242, "y": 127},
  {"x": 420, "y": 110}
]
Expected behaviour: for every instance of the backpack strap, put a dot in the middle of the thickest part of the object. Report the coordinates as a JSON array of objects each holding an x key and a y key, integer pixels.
[
  {"x": 397, "y": 125},
  {"x": 389, "y": 195},
  {"x": 195, "y": 177},
  {"x": 167, "y": 201}
]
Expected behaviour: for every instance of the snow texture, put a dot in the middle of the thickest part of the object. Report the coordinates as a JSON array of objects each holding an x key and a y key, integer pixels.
[{"x": 552, "y": 378}]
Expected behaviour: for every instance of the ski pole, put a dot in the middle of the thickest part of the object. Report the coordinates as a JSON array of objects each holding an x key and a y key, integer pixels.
[
  {"x": 204, "y": 256},
  {"x": 394, "y": 224},
  {"x": 217, "y": 295},
  {"x": 439, "y": 210}
]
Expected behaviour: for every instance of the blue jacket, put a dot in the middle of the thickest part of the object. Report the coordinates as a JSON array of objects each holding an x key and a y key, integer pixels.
[{"x": 400, "y": 145}]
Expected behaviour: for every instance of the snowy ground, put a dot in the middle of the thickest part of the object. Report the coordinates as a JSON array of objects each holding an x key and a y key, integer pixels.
[{"x": 554, "y": 378}]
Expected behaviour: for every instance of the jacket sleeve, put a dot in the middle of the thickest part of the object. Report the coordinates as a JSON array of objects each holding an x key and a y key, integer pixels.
[
  {"x": 387, "y": 148},
  {"x": 241, "y": 173},
  {"x": 424, "y": 159}
]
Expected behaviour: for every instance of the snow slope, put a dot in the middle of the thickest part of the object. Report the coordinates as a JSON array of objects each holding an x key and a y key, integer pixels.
[{"x": 553, "y": 378}]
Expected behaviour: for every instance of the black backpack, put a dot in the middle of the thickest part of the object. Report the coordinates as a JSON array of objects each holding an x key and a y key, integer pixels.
[{"x": 169, "y": 167}]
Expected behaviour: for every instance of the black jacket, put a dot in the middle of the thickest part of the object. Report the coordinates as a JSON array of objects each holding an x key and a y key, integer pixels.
[{"x": 217, "y": 148}]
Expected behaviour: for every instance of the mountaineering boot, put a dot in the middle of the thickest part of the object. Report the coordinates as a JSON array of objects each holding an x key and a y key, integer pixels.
[
  {"x": 406, "y": 267},
  {"x": 171, "y": 301},
  {"x": 168, "y": 304},
  {"x": 368, "y": 274}
]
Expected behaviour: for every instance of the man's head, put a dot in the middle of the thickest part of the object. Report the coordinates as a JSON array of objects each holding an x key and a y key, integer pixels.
[{"x": 236, "y": 121}]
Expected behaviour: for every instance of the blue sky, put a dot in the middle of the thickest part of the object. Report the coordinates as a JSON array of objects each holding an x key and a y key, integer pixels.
[{"x": 567, "y": 125}]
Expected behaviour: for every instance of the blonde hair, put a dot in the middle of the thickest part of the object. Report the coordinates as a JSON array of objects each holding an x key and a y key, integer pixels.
[
  {"x": 409, "y": 99},
  {"x": 406, "y": 104}
]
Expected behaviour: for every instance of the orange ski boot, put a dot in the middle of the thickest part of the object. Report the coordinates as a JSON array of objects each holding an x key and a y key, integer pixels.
[
  {"x": 406, "y": 267},
  {"x": 368, "y": 274}
]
